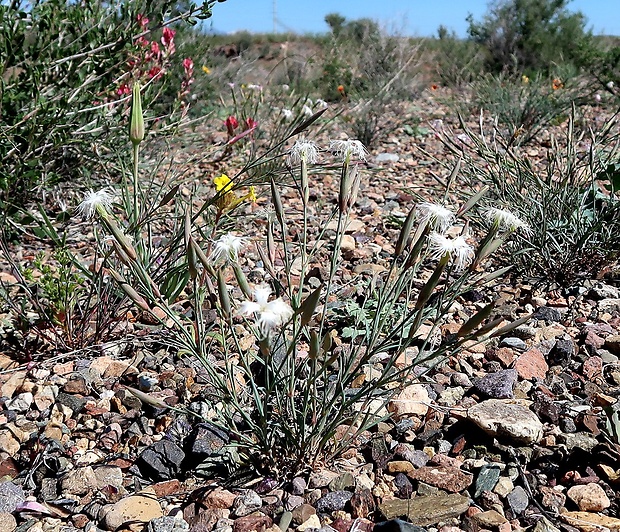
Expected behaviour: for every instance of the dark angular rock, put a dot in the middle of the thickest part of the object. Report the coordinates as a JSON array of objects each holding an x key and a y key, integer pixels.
[
  {"x": 335, "y": 500},
  {"x": 74, "y": 402},
  {"x": 548, "y": 314},
  {"x": 362, "y": 503},
  {"x": 518, "y": 500},
  {"x": 11, "y": 495},
  {"x": 161, "y": 461},
  {"x": 498, "y": 385},
  {"x": 208, "y": 440},
  {"x": 562, "y": 352},
  {"x": 403, "y": 485}
]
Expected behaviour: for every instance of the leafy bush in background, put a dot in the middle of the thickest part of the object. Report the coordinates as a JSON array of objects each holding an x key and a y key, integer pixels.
[
  {"x": 530, "y": 35},
  {"x": 65, "y": 74},
  {"x": 457, "y": 61}
]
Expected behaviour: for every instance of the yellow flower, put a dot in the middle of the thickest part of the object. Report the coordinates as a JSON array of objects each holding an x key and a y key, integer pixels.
[
  {"x": 223, "y": 183},
  {"x": 525, "y": 79},
  {"x": 557, "y": 84},
  {"x": 206, "y": 69},
  {"x": 251, "y": 196}
]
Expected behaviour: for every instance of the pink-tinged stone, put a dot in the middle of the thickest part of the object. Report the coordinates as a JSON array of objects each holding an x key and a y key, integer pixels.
[
  {"x": 446, "y": 478},
  {"x": 531, "y": 364},
  {"x": 589, "y": 497},
  {"x": 593, "y": 367}
]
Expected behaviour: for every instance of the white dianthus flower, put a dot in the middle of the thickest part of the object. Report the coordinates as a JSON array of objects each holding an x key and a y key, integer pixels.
[
  {"x": 287, "y": 113},
  {"x": 307, "y": 110},
  {"x": 268, "y": 314},
  {"x": 226, "y": 248},
  {"x": 254, "y": 87},
  {"x": 321, "y": 104},
  {"x": 94, "y": 200},
  {"x": 348, "y": 148},
  {"x": 303, "y": 149},
  {"x": 437, "y": 216},
  {"x": 457, "y": 248},
  {"x": 506, "y": 220}
]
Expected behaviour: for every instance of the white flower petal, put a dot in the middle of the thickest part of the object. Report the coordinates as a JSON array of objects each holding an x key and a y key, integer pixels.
[{"x": 249, "y": 307}]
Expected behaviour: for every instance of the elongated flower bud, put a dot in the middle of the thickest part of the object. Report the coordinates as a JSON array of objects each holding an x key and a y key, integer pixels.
[{"x": 136, "y": 126}]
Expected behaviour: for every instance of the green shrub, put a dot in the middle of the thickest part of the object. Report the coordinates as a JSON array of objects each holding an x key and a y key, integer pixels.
[
  {"x": 457, "y": 61},
  {"x": 65, "y": 72},
  {"x": 529, "y": 35}
]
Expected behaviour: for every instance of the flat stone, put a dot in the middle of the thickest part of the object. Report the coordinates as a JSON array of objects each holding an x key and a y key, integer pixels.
[
  {"x": 167, "y": 524},
  {"x": 489, "y": 519},
  {"x": 321, "y": 478},
  {"x": 400, "y": 466},
  {"x": 591, "y": 522},
  {"x": 313, "y": 522},
  {"x": 548, "y": 314},
  {"x": 161, "y": 460},
  {"x": 135, "y": 508},
  {"x": 552, "y": 498},
  {"x": 9, "y": 443},
  {"x": 412, "y": 400},
  {"x": 252, "y": 523},
  {"x": 531, "y": 364},
  {"x": 589, "y": 497},
  {"x": 505, "y": 419},
  {"x": 246, "y": 503},
  {"x": 302, "y": 512},
  {"x": 513, "y": 343},
  {"x": 544, "y": 525},
  {"x": 487, "y": 479},
  {"x": 80, "y": 481},
  {"x": 518, "y": 500},
  {"x": 580, "y": 440},
  {"x": 397, "y": 525},
  {"x": 504, "y": 486},
  {"x": 11, "y": 495},
  {"x": 497, "y": 385},
  {"x": 428, "y": 510},
  {"x": 610, "y": 305},
  {"x": 343, "y": 481},
  {"x": 446, "y": 478}
]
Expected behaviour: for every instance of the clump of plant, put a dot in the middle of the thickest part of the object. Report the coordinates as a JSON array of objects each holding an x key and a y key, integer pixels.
[
  {"x": 286, "y": 390},
  {"x": 458, "y": 61},
  {"x": 532, "y": 35},
  {"x": 66, "y": 71},
  {"x": 523, "y": 107},
  {"x": 570, "y": 200}
]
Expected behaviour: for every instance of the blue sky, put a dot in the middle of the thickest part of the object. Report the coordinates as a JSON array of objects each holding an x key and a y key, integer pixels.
[{"x": 409, "y": 17}]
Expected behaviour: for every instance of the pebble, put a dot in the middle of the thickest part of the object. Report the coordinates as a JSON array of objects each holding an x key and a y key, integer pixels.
[
  {"x": 332, "y": 501},
  {"x": 11, "y": 495},
  {"x": 531, "y": 364},
  {"x": 313, "y": 522},
  {"x": 20, "y": 403},
  {"x": 504, "y": 486},
  {"x": 167, "y": 524},
  {"x": 499, "y": 418},
  {"x": 489, "y": 519},
  {"x": 513, "y": 343},
  {"x": 518, "y": 500},
  {"x": 80, "y": 481},
  {"x": 487, "y": 479},
  {"x": 161, "y": 460},
  {"x": 446, "y": 478},
  {"x": 589, "y": 497},
  {"x": 247, "y": 503},
  {"x": 498, "y": 385},
  {"x": 141, "y": 508},
  {"x": 7, "y": 522},
  {"x": 412, "y": 400},
  {"x": 428, "y": 510},
  {"x": 547, "y": 314}
]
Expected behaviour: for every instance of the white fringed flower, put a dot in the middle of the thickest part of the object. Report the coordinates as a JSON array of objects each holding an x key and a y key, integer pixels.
[
  {"x": 95, "y": 201},
  {"x": 268, "y": 314},
  {"x": 321, "y": 104},
  {"x": 348, "y": 148},
  {"x": 287, "y": 114},
  {"x": 303, "y": 149},
  {"x": 226, "y": 249},
  {"x": 307, "y": 110},
  {"x": 457, "y": 248},
  {"x": 506, "y": 220},
  {"x": 437, "y": 216}
]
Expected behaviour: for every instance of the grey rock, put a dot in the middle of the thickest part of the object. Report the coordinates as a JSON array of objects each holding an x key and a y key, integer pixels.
[
  {"x": 333, "y": 501},
  {"x": 604, "y": 291},
  {"x": 386, "y": 158},
  {"x": 417, "y": 458},
  {"x": 514, "y": 343},
  {"x": 293, "y": 501},
  {"x": 610, "y": 305},
  {"x": 443, "y": 446},
  {"x": 487, "y": 479},
  {"x": 580, "y": 440},
  {"x": 20, "y": 403},
  {"x": 167, "y": 524},
  {"x": 74, "y": 402},
  {"x": 161, "y": 461},
  {"x": 525, "y": 332},
  {"x": 562, "y": 352},
  {"x": 425, "y": 489},
  {"x": 518, "y": 500},
  {"x": 498, "y": 385},
  {"x": 298, "y": 486},
  {"x": 11, "y": 495},
  {"x": 209, "y": 440},
  {"x": 500, "y": 418},
  {"x": 461, "y": 379},
  {"x": 403, "y": 486},
  {"x": 246, "y": 503}
]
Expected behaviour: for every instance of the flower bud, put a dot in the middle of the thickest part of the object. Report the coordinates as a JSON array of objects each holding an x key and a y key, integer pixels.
[{"x": 136, "y": 127}]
